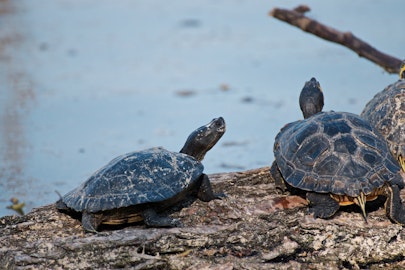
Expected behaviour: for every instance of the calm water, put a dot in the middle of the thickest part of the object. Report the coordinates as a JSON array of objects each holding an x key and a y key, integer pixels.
[{"x": 85, "y": 81}]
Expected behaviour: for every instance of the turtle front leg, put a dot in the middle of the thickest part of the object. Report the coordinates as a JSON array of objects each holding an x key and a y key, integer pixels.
[
  {"x": 322, "y": 205},
  {"x": 393, "y": 205},
  {"x": 205, "y": 192},
  {"x": 152, "y": 219}
]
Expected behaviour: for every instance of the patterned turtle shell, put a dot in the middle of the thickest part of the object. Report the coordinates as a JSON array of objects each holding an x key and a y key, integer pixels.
[
  {"x": 386, "y": 113},
  {"x": 151, "y": 175},
  {"x": 337, "y": 153}
]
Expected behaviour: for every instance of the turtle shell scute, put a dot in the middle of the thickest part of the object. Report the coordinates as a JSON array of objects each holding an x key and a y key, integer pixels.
[
  {"x": 335, "y": 152},
  {"x": 149, "y": 176}
]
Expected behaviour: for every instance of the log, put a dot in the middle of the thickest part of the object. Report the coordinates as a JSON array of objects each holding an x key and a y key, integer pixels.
[
  {"x": 297, "y": 18},
  {"x": 254, "y": 227}
]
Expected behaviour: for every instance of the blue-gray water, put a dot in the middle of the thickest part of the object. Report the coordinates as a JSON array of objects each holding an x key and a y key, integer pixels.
[{"x": 85, "y": 81}]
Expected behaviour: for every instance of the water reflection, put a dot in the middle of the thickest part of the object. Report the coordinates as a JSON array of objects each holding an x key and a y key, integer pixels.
[
  {"x": 14, "y": 141},
  {"x": 16, "y": 100}
]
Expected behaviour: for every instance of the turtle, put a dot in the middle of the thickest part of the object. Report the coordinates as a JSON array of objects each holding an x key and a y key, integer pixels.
[
  {"x": 386, "y": 113},
  {"x": 144, "y": 185},
  {"x": 336, "y": 159}
]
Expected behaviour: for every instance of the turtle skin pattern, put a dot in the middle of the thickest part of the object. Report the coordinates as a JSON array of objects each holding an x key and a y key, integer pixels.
[
  {"x": 151, "y": 175},
  {"x": 337, "y": 153},
  {"x": 386, "y": 113}
]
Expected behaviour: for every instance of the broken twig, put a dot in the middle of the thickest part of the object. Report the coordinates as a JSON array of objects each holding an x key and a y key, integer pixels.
[{"x": 297, "y": 18}]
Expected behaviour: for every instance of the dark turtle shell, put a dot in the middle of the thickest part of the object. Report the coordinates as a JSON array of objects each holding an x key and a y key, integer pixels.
[
  {"x": 335, "y": 152},
  {"x": 152, "y": 175},
  {"x": 386, "y": 113}
]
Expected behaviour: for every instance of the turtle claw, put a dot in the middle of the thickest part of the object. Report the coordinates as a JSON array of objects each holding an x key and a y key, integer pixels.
[
  {"x": 319, "y": 212},
  {"x": 152, "y": 219},
  {"x": 220, "y": 196},
  {"x": 172, "y": 222},
  {"x": 176, "y": 223}
]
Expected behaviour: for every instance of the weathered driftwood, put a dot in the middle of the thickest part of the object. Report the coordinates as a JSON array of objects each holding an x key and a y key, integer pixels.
[
  {"x": 297, "y": 18},
  {"x": 254, "y": 227}
]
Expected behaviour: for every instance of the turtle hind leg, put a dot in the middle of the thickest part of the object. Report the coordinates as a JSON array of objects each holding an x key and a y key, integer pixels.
[
  {"x": 322, "y": 205},
  {"x": 205, "y": 192},
  {"x": 90, "y": 222},
  {"x": 393, "y": 206},
  {"x": 60, "y": 205},
  {"x": 152, "y": 219},
  {"x": 278, "y": 178}
]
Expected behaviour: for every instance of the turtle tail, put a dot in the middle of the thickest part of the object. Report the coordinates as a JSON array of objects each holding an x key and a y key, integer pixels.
[
  {"x": 401, "y": 160},
  {"x": 361, "y": 201},
  {"x": 60, "y": 204}
]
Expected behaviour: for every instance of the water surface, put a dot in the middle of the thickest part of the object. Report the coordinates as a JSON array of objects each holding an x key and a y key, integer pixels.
[{"x": 85, "y": 81}]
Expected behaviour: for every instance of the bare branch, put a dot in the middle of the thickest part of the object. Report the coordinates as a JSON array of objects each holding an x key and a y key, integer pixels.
[{"x": 297, "y": 18}]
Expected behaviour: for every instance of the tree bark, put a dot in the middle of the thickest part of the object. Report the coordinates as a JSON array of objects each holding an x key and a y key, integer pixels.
[
  {"x": 254, "y": 227},
  {"x": 297, "y": 18}
]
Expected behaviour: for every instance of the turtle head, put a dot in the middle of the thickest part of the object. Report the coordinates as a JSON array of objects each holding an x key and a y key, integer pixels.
[
  {"x": 402, "y": 70},
  {"x": 311, "y": 98},
  {"x": 201, "y": 140}
]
